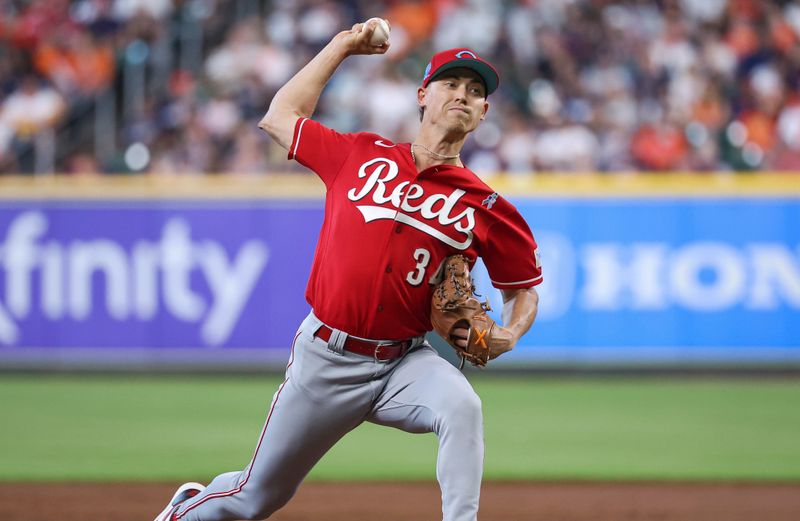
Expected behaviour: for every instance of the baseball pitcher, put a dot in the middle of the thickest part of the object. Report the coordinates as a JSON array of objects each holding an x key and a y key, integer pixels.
[{"x": 404, "y": 223}]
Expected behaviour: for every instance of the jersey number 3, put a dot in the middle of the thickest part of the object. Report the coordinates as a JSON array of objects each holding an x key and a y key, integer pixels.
[{"x": 423, "y": 257}]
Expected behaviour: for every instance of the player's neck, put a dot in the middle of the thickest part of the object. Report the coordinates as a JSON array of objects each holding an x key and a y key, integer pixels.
[{"x": 429, "y": 149}]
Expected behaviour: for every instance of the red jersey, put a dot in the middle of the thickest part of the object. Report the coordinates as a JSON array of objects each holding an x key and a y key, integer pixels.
[{"x": 388, "y": 229}]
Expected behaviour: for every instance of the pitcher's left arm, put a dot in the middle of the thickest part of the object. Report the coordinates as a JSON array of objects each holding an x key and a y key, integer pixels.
[{"x": 520, "y": 307}]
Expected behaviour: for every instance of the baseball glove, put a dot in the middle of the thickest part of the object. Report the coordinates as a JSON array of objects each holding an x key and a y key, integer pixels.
[{"x": 454, "y": 305}]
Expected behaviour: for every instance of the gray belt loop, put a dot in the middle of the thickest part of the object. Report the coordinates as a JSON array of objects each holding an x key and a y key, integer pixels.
[
  {"x": 313, "y": 323},
  {"x": 336, "y": 341}
]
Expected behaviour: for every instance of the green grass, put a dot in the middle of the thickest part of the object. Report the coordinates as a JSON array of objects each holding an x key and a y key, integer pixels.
[{"x": 171, "y": 428}]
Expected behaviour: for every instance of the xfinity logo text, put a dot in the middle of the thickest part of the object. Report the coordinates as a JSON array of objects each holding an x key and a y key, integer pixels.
[{"x": 57, "y": 278}]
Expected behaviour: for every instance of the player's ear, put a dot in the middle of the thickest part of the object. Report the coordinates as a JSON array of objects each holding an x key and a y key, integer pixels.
[
  {"x": 485, "y": 110},
  {"x": 421, "y": 91},
  {"x": 421, "y": 102}
]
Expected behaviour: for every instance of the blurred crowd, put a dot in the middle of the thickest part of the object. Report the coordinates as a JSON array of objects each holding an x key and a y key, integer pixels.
[{"x": 586, "y": 85}]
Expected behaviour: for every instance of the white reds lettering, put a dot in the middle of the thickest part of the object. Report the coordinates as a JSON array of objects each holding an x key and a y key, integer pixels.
[{"x": 436, "y": 206}]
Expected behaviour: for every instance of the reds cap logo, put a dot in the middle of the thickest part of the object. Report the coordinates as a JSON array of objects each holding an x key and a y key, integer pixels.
[{"x": 461, "y": 58}]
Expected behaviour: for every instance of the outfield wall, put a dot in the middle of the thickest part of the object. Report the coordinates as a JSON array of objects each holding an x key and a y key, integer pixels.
[{"x": 143, "y": 272}]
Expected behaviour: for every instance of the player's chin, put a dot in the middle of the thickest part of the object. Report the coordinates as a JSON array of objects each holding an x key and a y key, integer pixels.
[
  {"x": 462, "y": 124},
  {"x": 465, "y": 127}
]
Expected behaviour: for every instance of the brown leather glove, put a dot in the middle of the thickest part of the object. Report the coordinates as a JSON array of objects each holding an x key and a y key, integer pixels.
[{"x": 454, "y": 305}]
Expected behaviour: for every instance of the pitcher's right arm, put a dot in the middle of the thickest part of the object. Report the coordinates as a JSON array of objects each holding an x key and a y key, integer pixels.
[{"x": 299, "y": 96}]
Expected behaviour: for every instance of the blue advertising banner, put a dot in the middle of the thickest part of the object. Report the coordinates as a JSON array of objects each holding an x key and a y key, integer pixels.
[
  {"x": 627, "y": 280},
  {"x": 155, "y": 275},
  {"x": 669, "y": 280}
]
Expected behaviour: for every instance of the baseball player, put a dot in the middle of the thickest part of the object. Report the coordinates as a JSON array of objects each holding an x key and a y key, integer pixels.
[{"x": 394, "y": 212}]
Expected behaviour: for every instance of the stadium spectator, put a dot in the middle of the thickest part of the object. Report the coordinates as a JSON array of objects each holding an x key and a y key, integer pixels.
[
  {"x": 659, "y": 146},
  {"x": 26, "y": 115},
  {"x": 75, "y": 62}
]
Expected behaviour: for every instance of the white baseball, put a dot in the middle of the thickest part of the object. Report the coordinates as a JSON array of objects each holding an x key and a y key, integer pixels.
[{"x": 381, "y": 34}]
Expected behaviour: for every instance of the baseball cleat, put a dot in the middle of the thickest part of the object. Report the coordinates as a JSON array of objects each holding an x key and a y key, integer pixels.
[{"x": 184, "y": 492}]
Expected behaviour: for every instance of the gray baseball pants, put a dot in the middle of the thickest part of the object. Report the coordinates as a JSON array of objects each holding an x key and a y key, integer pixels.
[{"x": 327, "y": 393}]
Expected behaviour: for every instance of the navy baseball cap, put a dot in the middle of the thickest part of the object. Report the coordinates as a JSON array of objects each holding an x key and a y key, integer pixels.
[{"x": 461, "y": 57}]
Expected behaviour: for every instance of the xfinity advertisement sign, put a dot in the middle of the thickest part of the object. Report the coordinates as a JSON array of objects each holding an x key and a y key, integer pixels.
[
  {"x": 145, "y": 276},
  {"x": 626, "y": 280}
]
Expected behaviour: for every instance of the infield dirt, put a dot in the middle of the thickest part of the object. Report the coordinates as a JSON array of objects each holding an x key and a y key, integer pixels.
[{"x": 317, "y": 501}]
